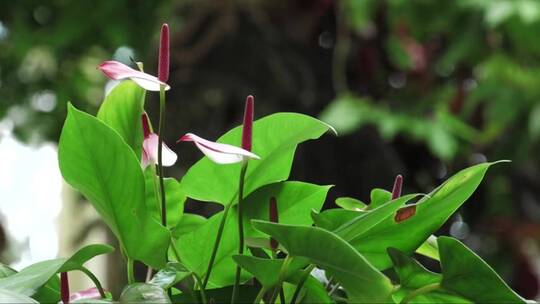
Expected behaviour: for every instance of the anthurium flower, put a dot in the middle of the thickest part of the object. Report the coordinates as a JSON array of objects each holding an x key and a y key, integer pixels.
[
  {"x": 218, "y": 152},
  {"x": 118, "y": 71},
  {"x": 150, "y": 147}
]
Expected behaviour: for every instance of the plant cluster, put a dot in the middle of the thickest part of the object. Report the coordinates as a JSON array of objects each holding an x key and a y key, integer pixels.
[{"x": 271, "y": 242}]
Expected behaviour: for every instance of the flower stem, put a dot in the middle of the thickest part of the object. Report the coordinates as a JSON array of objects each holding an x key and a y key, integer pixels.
[
  {"x": 95, "y": 280},
  {"x": 161, "y": 132},
  {"x": 131, "y": 277},
  {"x": 420, "y": 291},
  {"x": 202, "y": 291},
  {"x": 260, "y": 295},
  {"x": 216, "y": 244},
  {"x": 240, "y": 229}
]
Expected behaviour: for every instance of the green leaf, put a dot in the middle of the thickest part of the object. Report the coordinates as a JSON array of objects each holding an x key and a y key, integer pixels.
[
  {"x": 412, "y": 275},
  {"x": 188, "y": 222},
  {"x": 332, "y": 219},
  {"x": 196, "y": 247},
  {"x": 144, "y": 293},
  {"x": 175, "y": 198},
  {"x": 294, "y": 199},
  {"x": 364, "y": 222},
  {"x": 466, "y": 274},
  {"x": 379, "y": 197},
  {"x": 267, "y": 270},
  {"x": 312, "y": 291},
  {"x": 430, "y": 214},
  {"x": 363, "y": 283},
  {"x": 8, "y": 296},
  {"x": 31, "y": 278},
  {"x": 275, "y": 138},
  {"x": 121, "y": 110},
  {"x": 173, "y": 273},
  {"x": 350, "y": 203},
  {"x": 95, "y": 160},
  {"x": 429, "y": 248},
  {"x": 6, "y": 271}
]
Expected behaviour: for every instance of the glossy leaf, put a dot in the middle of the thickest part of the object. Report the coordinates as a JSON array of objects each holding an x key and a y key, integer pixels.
[
  {"x": 173, "y": 273},
  {"x": 349, "y": 203},
  {"x": 466, "y": 274},
  {"x": 196, "y": 246},
  {"x": 175, "y": 198},
  {"x": 121, "y": 110},
  {"x": 294, "y": 200},
  {"x": 431, "y": 213},
  {"x": 144, "y": 293},
  {"x": 275, "y": 138},
  {"x": 95, "y": 160},
  {"x": 413, "y": 276},
  {"x": 188, "y": 222},
  {"x": 429, "y": 248},
  {"x": 363, "y": 283},
  {"x": 332, "y": 219},
  {"x": 379, "y": 197},
  {"x": 31, "y": 278}
]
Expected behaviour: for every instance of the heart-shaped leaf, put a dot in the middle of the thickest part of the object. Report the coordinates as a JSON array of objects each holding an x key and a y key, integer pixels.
[
  {"x": 275, "y": 138},
  {"x": 95, "y": 160}
]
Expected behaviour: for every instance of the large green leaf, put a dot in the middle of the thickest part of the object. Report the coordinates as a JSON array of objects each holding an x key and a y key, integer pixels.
[
  {"x": 175, "y": 198},
  {"x": 6, "y": 271},
  {"x": 10, "y": 297},
  {"x": 246, "y": 294},
  {"x": 30, "y": 279},
  {"x": 466, "y": 274},
  {"x": 363, "y": 283},
  {"x": 430, "y": 214},
  {"x": 95, "y": 160},
  {"x": 188, "y": 222},
  {"x": 196, "y": 246},
  {"x": 275, "y": 138},
  {"x": 332, "y": 219},
  {"x": 122, "y": 109},
  {"x": 294, "y": 200}
]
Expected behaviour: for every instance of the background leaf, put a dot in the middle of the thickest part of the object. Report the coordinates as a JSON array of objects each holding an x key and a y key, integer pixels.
[{"x": 144, "y": 293}]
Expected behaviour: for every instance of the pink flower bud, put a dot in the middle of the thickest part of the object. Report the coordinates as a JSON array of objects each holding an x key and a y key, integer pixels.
[
  {"x": 163, "y": 64},
  {"x": 396, "y": 191},
  {"x": 247, "y": 129}
]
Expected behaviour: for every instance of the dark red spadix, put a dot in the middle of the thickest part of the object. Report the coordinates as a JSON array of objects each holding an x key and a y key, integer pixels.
[
  {"x": 145, "y": 125},
  {"x": 396, "y": 190},
  {"x": 64, "y": 287},
  {"x": 163, "y": 64},
  {"x": 247, "y": 129},
  {"x": 273, "y": 216}
]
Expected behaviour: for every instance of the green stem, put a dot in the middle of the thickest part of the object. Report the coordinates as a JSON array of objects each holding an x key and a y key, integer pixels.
[
  {"x": 420, "y": 291},
  {"x": 131, "y": 277},
  {"x": 303, "y": 279},
  {"x": 155, "y": 179},
  {"x": 260, "y": 295},
  {"x": 161, "y": 130},
  {"x": 174, "y": 250},
  {"x": 240, "y": 229},
  {"x": 95, "y": 280},
  {"x": 202, "y": 290},
  {"x": 281, "y": 277},
  {"x": 216, "y": 244}
]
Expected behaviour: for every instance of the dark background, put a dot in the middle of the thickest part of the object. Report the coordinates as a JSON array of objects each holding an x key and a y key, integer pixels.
[{"x": 419, "y": 88}]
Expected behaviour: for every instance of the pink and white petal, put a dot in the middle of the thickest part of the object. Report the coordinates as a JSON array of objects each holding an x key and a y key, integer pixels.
[
  {"x": 218, "y": 152},
  {"x": 150, "y": 148},
  {"x": 168, "y": 156},
  {"x": 89, "y": 294},
  {"x": 118, "y": 71},
  {"x": 145, "y": 160},
  {"x": 219, "y": 157}
]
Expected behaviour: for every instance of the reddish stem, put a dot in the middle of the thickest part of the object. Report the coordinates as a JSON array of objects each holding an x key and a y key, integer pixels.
[{"x": 64, "y": 287}]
